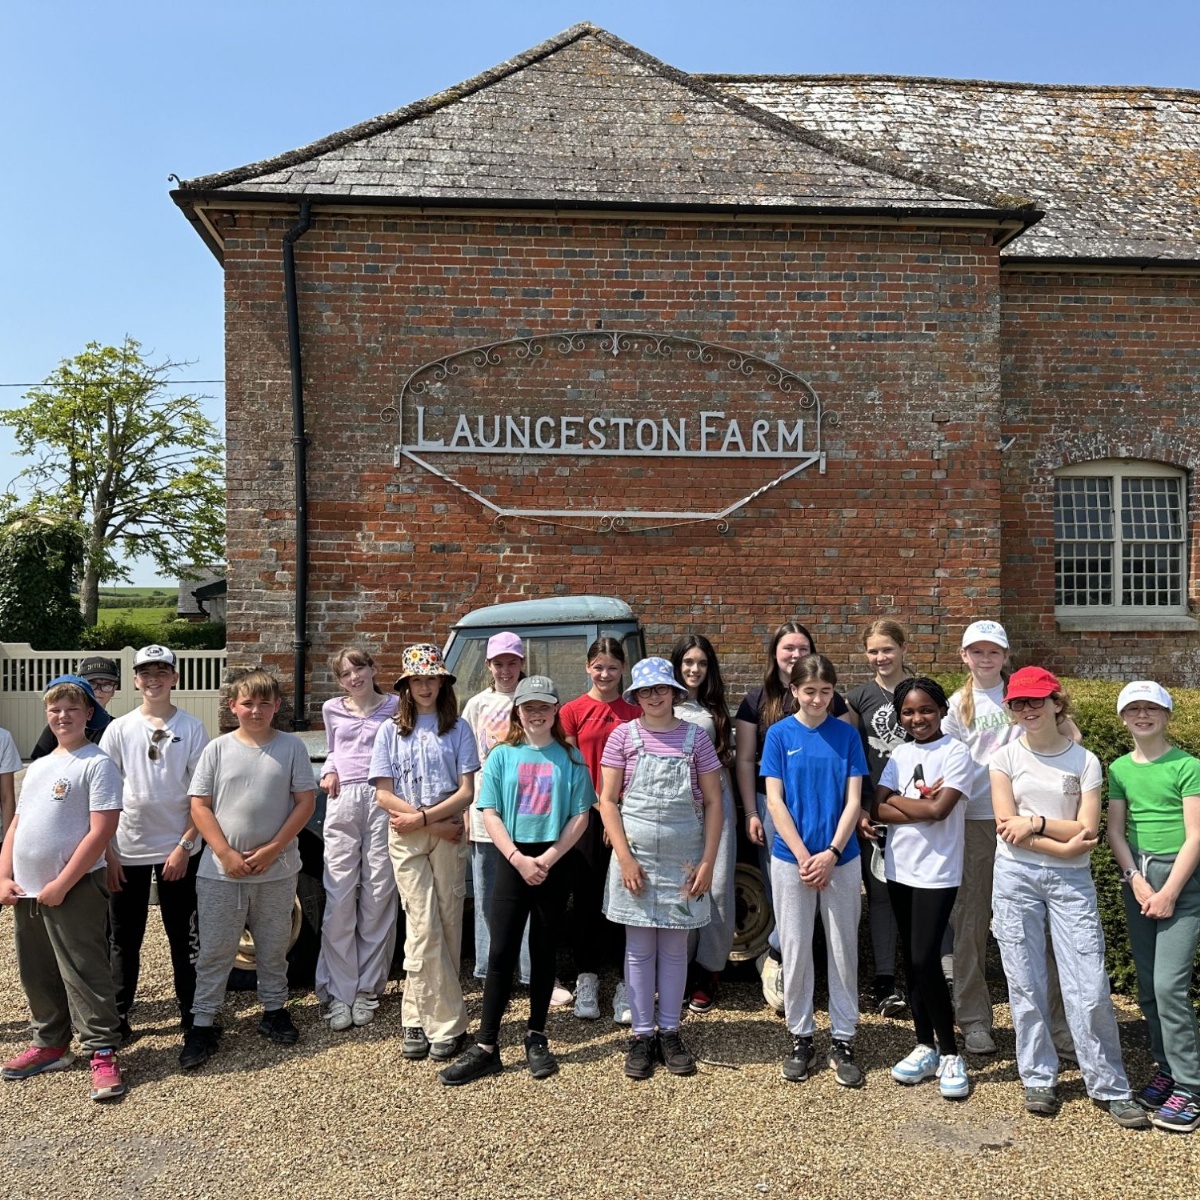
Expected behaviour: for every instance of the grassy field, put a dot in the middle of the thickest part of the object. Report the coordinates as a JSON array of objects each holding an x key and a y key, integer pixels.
[{"x": 144, "y": 618}]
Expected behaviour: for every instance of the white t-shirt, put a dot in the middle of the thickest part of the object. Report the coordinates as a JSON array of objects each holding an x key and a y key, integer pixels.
[
  {"x": 10, "y": 762},
  {"x": 157, "y": 795},
  {"x": 927, "y": 854},
  {"x": 424, "y": 767},
  {"x": 990, "y": 730},
  {"x": 1047, "y": 785},
  {"x": 58, "y": 797},
  {"x": 488, "y": 713},
  {"x": 251, "y": 789}
]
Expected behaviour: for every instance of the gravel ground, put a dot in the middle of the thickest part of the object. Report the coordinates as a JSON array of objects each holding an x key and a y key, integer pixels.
[{"x": 342, "y": 1116}]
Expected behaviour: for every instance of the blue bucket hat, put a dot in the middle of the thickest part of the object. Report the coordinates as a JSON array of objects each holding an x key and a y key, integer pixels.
[{"x": 650, "y": 672}]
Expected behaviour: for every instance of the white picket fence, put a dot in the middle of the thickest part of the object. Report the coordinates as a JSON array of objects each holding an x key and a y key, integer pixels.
[{"x": 25, "y": 672}]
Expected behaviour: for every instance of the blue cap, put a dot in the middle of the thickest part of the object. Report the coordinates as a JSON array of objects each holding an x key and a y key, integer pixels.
[{"x": 77, "y": 680}]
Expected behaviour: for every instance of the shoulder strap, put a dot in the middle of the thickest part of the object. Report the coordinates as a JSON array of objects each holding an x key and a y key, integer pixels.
[{"x": 635, "y": 734}]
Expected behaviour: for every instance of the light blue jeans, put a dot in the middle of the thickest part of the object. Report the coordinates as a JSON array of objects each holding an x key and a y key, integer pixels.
[
  {"x": 484, "y": 857},
  {"x": 1024, "y": 896}
]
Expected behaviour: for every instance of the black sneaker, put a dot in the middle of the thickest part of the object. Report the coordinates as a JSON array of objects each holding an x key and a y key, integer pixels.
[
  {"x": 639, "y": 1059},
  {"x": 674, "y": 1054},
  {"x": 703, "y": 991},
  {"x": 542, "y": 1063},
  {"x": 416, "y": 1044},
  {"x": 124, "y": 1032},
  {"x": 200, "y": 1043},
  {"x": 841, "y": 1062},
  {"x": 278, "y": 1027},
  {"x": 445, "y": 1051},
  {"x": 798, "y": 1063},
  {"x": 474, "y": 1064}
]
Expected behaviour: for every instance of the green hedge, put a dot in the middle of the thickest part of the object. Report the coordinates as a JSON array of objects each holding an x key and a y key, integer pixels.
[
  {"x": 178, "y": 635},
  {"x": 1095, "y": 709}
]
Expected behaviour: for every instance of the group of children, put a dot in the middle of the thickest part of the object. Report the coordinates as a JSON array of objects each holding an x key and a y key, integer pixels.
[
  {"x": 957, "y": 813},
  {"x": 213, "y": 824}
]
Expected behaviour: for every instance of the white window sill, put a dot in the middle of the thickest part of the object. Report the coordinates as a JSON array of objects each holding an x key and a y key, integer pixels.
[{"x": 1132, "y": 622}]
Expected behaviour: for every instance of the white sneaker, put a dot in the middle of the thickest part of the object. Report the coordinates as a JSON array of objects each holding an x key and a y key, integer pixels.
[
  {"x": 587, "y": 996},
  {"x": 561, "y": 996},
  {"x": 364, "y": 1008},
  {"x": 621, "y": 1013},
  {"x": 921, "y": 1064},
  {"x": 979, "y": 1041},
  {"x": 771, "y": 970},
  {"x": 339, "y": 1016},
  {"x": 952, "y": 1077}
]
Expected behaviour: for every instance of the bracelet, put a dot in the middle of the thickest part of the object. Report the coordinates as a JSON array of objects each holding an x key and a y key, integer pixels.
[
  {"x": 1043, "y": 828},
  {"x": 510, "y": 857},
  {"x": 834, "y": 851},
  {"x": 424, "y": 817}
]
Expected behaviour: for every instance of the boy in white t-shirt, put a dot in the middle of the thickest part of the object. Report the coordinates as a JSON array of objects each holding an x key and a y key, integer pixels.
[
  {"x": 52, "y": 873},
  {"x": 156, "y": 748}
]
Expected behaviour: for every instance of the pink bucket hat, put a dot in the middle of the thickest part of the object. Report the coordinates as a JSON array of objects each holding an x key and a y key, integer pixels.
[{"x": 505, "y": 643}]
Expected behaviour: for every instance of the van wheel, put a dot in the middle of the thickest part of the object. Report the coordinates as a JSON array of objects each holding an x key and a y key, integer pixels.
[{"x": 752, "y": 913}]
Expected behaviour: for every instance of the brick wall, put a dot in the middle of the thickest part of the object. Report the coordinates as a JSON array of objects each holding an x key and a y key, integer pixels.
[
  {"x": 897, "y": 331},
  {"x": 1094, "y": 366}
]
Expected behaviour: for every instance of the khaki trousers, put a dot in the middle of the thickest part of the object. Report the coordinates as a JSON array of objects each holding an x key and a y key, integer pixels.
[{"x": 431, "y": 876}]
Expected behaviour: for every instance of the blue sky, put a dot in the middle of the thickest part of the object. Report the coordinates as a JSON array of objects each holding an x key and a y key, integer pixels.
[{"x": 101, "y": 103}]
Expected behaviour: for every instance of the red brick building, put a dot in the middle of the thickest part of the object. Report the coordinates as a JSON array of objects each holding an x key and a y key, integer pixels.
[{"x": 735, "y": 349}]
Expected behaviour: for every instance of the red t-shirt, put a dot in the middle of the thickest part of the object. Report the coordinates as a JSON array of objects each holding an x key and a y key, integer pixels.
[{"x": 590, "y": 722}]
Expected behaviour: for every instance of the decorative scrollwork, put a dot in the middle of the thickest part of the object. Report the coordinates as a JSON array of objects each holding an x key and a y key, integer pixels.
[{"x": 388, "y": 414}]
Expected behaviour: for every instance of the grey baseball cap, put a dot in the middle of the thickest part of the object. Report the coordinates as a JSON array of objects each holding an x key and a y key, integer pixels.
[{"x": 536, "y": 687}]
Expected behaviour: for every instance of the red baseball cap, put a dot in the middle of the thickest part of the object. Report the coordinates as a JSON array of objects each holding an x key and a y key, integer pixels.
[{"x": 1031, "y": 683}]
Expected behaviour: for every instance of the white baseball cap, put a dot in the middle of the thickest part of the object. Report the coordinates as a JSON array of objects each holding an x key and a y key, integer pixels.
[
  {"x": 985, "y": 631},
  {"x": 154, "y": 654},
  {"x": 1146, "y": 690}
]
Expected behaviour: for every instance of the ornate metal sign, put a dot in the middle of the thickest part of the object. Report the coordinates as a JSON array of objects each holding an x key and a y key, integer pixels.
[{"x": 430, "y": 423}]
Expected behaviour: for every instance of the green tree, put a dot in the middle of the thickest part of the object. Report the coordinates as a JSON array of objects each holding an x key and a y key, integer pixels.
[
  {"x": 139, "y": 469},
  {"x": 38, "y": 559}
]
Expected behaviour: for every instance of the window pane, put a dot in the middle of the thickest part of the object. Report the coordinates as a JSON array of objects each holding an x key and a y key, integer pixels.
[
  {"x": 1082, "y": 573},
  {"x": 1152, "y": 575},
  {"x": 1082, "y": 509},
  {"x": 1151, "y": 509}
]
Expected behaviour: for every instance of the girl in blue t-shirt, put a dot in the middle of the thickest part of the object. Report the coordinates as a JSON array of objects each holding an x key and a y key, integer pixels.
[
  {"x": 535, "y": 796},
  {"x": 813, "y": 765}
]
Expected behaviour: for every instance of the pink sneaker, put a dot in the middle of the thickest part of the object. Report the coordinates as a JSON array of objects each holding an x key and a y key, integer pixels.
[
  {"x": 107, "y": 1083},
  {"x": 37, "y": 1059}
]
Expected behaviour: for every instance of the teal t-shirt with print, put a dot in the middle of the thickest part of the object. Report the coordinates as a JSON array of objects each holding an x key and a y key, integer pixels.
[
  {"x": 535, "y": 792},
  {"x": 1153, "y": 793}
]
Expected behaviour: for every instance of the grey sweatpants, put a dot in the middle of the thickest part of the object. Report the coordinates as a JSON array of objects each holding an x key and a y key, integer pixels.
[
  {"x": 62, "y": 958},
  {"x": 225, "y": 907}
]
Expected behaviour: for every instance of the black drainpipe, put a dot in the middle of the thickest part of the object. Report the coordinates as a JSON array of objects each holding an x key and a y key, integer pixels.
[{"x": 300, "y": 460}]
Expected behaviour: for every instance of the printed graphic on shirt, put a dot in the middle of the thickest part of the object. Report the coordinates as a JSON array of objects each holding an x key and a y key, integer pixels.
[
  {"x": 1071, "y": 786},
  {"x": 994, "y": 720},
  {"x": 61, "y": 790},
  {"x": 885, "y": 732},
  {"x": 494, "y": 729},
  {"x": 535, "y": 786}
]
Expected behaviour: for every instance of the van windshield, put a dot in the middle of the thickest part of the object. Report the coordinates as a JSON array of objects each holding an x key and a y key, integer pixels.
[{"x": 562, "y": 657}]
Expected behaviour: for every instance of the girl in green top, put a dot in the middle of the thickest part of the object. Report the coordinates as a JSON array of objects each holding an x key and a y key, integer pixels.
[{"x": 1154, "y": 832}]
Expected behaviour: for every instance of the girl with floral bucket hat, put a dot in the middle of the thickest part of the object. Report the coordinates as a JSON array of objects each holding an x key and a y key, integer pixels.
[{"x": 423, "y": 769}]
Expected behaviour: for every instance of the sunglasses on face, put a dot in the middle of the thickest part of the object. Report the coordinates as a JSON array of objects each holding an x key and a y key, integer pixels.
[
  {"x": 1034, "y": 702},
  {"x": 159, "y": 735}
]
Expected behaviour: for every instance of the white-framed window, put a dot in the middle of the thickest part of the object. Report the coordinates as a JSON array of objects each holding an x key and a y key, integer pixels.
[{"x": 1120, "y": 539}]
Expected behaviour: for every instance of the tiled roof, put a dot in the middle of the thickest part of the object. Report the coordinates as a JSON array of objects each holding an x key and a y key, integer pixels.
[
  {"x": 1116, "y": 169},
  {"x": 586, "y": 119},
  {"x": 189, "y": 603}
]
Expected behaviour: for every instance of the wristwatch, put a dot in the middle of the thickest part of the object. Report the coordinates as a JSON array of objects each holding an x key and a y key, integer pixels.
[
  {"x": 1127, "y": 876},
  {"x": 184, "y": 844}
]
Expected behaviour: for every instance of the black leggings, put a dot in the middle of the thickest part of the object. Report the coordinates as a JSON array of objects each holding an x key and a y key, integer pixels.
[
  {"x": 922, "y": 915},
  {"x": 588, "y": 929},
  {"x": 128, "y": 910},
  {"x": 513, "y": 903}
]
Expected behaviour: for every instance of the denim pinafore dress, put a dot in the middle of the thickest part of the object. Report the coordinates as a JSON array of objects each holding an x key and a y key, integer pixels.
[{"x": 666, "y": 836}]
